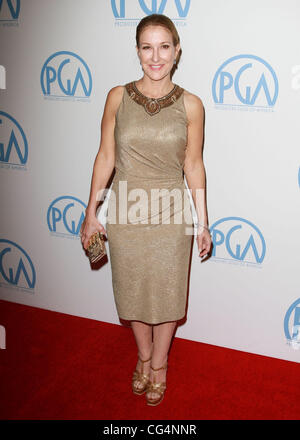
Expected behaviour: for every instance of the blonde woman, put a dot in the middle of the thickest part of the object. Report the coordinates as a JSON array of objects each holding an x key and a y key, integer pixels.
[{"x": 152, "y": 134}]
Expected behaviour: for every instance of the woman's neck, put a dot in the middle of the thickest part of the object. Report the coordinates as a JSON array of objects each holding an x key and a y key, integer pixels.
[{"x": 155, "y": 88}]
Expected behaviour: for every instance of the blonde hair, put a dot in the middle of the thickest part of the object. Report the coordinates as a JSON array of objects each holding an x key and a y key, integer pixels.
[{"x": 166, "y": 22}]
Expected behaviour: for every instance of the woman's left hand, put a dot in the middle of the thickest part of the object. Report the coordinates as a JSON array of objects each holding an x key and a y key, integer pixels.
[{"x": 204, "y": 241}]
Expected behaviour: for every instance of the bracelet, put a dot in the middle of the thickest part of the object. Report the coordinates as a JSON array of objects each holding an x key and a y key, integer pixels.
[{"x": 197, "y": 225}]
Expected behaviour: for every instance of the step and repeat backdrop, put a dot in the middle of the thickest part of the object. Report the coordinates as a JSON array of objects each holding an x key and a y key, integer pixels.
[{"x": 58, "y": 61}]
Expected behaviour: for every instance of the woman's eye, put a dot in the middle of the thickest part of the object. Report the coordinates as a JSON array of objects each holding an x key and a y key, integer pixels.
[{"x": 165, "y": 46}]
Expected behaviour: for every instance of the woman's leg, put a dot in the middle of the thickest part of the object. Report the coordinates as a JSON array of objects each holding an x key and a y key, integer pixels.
[
  {"x": 143, "y": 337},
  {"x": 162, "y": 336}
]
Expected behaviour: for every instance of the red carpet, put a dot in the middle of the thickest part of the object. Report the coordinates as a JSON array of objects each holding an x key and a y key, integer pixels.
[{"x": 57, "y": 366}]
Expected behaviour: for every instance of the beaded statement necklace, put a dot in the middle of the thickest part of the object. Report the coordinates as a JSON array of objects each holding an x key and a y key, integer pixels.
[{"x": 153, "y": 105}]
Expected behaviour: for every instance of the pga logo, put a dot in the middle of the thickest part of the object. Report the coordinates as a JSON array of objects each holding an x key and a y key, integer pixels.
[
  {"x": 126, "y": 9},
  {"x": 13, "y": 141},
  {"x": 65, "y": 215},
  {"x": 239, "y": 240},
  {"x": 16, "y": 267},
  {"x": 245, "y": 80},
  {"x": 66, "y": 74},
  {"x": 292, "y": 325},
  {"x": 9, "y": 10}
]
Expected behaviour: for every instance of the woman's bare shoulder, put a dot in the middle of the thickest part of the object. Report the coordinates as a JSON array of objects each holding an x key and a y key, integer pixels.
[
  {"x": 193, "y": 104},
  {"x": 114, "y": 97},
  {"x": 192, "y": 100},
  {"x": 116, "y": 93}
]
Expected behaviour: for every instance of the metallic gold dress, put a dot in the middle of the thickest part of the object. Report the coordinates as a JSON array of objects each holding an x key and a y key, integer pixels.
[{"x": 149, "y": 221}]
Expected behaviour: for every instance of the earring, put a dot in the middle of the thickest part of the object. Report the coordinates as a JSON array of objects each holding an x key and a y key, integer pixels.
[{"x": 175, "y": 61}]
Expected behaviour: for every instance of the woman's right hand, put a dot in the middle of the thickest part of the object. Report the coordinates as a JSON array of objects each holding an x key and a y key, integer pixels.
[{"x": 89, "y": 226}]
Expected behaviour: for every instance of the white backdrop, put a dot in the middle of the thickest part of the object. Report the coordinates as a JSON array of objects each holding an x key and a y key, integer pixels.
[{"x": 59, "y": 59}]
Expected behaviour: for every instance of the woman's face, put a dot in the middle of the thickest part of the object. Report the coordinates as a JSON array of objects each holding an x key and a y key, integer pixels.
[{"x": 157, "y": 51}]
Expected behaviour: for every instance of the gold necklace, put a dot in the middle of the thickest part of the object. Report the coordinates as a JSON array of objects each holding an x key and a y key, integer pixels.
[{"x": 153, "y": 105}]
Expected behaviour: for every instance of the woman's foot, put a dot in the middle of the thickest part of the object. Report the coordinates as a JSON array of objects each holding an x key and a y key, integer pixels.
[
  {"x": 141, "y": 374},
  {"x": 157, "y": 383}
]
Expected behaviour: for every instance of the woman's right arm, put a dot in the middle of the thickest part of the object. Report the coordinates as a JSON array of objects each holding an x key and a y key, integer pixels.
[{"x": 103, "y": 165}]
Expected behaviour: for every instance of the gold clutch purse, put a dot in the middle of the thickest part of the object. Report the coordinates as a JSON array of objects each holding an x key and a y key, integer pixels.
[{"x": 96, "y": 249}]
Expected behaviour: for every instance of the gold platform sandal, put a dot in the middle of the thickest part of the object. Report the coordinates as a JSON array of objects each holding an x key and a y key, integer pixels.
[
  {"x": 158, "y": 388},
  {"x": 140, "y": 376}
]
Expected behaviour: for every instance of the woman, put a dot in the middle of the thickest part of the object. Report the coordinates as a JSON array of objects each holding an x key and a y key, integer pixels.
[{"x": 152, "y": 133}]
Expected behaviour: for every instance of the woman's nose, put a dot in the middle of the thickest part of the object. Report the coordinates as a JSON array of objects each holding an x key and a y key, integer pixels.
[{"x": 155, "y": 55}]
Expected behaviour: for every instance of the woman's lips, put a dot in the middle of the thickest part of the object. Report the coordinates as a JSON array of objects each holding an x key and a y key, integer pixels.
[{"x": 155, "y": 67}]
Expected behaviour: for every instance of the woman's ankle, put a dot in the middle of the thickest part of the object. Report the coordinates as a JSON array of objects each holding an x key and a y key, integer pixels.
[
  {"x": 159, "y": 362},
  {"x": 146, "y": 353}
]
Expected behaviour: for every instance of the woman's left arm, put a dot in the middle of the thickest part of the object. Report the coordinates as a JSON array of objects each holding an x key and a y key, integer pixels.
[{"x": 194, "y": 169}]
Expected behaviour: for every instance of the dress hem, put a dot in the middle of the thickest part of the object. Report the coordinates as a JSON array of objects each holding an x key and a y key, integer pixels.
[{"x": 152, "y": 323}]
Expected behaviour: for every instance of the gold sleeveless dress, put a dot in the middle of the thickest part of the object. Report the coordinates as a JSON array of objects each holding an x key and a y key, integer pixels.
[{"x": 149, "y": 220}]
